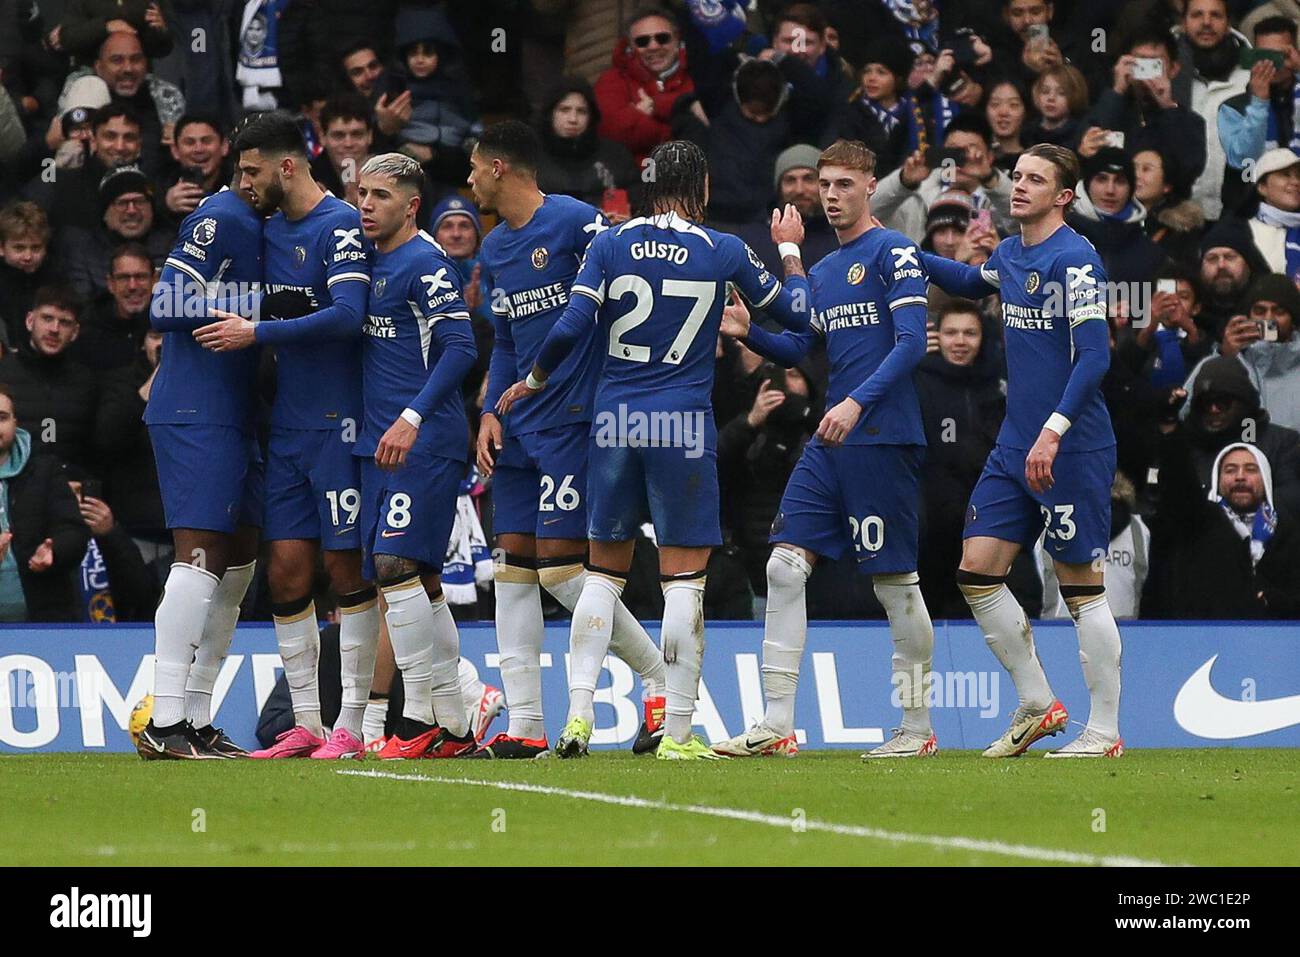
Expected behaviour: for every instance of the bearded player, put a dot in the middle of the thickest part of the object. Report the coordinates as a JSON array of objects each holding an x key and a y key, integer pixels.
[{"x": 1054, "y": 460}]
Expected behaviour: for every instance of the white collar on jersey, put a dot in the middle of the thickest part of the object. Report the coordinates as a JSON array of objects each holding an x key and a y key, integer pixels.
[{"x": 669, "y": 220}]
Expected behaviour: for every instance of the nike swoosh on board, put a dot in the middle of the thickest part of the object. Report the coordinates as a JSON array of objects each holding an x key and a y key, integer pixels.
[{"x": 1204, "y": 712}]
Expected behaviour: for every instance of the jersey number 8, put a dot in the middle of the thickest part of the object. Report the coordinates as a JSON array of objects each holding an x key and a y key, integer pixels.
[{"x": 702, "y": 292}]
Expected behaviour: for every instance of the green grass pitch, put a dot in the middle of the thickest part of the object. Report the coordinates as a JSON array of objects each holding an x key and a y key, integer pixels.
[{"x": 1199, "y": 807}]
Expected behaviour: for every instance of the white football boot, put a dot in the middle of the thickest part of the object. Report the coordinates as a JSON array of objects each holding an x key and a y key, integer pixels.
[
  {"x": 905, "y": 744},
  {"x": 1090, "y": 744}
]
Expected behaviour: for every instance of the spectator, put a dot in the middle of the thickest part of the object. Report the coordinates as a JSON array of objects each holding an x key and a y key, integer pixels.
[
  {"x": 1275, "y": 227},
  {"x": 456, "y": 227},
  {"x": 87, "y": 24},
  {"x": 903, "y": 198},
  {"x": 742, "y": 141},
  {"x": 963, "y": 399},
  {"x": 636, "y": 94},
  {"x": 575, "y": 160},
  {"x": 1174, "y": 222},
  {"x": 1149, "y": 113},
  {"x": 114, "y": 327},
  {"x": 1106, "y": 214},
  {"x": 1025, "y": 43},
  {"x": 1229, "y": 262},
  {"x": 126, "y": 456},
  {"x": 1006, "y": 112},
  {"x": 1126, "y": 563},
  {"x": 443, "y": 112},
  {"x": 258, "y": 71},
  {"x": 1262, "y": 118},
  {"x": 1225, "y": 408},
  {"x": 349, "y": 135},
  {"x": 42, "y": 535},
  {"x": 363, "y": 71},
  {"x": 818, "y": 79},
  {"x": 157, "y": 103},
  {"x": 56, "y": 393},
  {"x": 795, "y": 178},
  {"x": 198, "y": 166},
  {"x": 757, "y": 451},
  {"x": 113, "y": 582},
  {"x": 1170, "y": 342},
  {"x": 24, "y": 265},
  {"x": 1231, "y": 555},
  {"x": 71, "y": 197},
  {"x": 126, "y": 206},
  {"x": 1061, "y": 99},
  {"x": 1265, "y": 342},
  {"x": 1208, "y": 75},
  {"x": 879, "y": 114},
  {"x": 315, "y": 37},
  {"x": 946, "y": 223}
]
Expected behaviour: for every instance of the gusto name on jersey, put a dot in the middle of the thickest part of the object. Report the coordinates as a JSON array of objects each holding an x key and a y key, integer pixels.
[
  {"x": 677, "y": 255},
  {"x": 530, "y": 302},
  {"x": 848, "y": 315}
]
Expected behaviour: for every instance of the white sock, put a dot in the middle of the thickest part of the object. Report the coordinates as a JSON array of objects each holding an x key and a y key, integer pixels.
[
  {"x": 218, "y": 630},
  {"x": 913, "y": 634},
  {"x": 1099, "y": 653},
  {"x": 300, "y": 652},
  {"x": 683, "y": 638},
  {"x": 593, "y": 620},
  {"x": 520, "y": 628},
  {"x": 178, "y": 624},
  {"x": 471, "y": 689},
  {"x": 410, "y": 629},
  {"x": 1007, "y": 631},
  {"x": 448, "y": 705},
  {"x": 628, "y": 640},
  {"x": 373, "y": 719},
  {"x": 358, "y": 645},
  {"x": 785, "y": 631}
]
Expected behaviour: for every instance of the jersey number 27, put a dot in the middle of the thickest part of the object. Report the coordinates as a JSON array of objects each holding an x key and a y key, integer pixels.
[{"x": 702, "y": 292}]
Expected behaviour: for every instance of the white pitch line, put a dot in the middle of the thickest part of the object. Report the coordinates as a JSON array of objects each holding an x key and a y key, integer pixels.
[{"x": 1025, "y": 851}]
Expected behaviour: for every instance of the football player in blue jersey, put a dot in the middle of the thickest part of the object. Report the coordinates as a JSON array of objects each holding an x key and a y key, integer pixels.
[
  {"x": 655, "y": 287},
  {"x": 1051, "y": 471},
  {"x": 537, "y": 457},
  {"x": 200, "y": 416},
  {"x": 313, "y": 247},
  {"x": 857, "y": 486},
  {"x": 413, "y": 450}
]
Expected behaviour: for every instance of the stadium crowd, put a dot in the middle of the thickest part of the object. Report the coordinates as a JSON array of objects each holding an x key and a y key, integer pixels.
[{"x": 114, "y": 125}]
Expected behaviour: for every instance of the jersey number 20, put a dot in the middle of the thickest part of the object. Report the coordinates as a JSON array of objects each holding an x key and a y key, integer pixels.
[{"x": 702, "y": 292}]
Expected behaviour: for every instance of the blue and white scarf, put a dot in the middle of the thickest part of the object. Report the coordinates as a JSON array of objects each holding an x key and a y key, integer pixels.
[
  {"x": 911, "y": 15},
  {"x": 1272, "y": 216}
]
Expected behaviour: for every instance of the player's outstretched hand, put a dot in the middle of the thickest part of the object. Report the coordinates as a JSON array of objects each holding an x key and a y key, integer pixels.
[
  {"x": 390, "y": 453},
  {"x": 839, "y": 422},
  {"x": 228, "y": 333},
  {"x": 735, "y": 318},
  {"x": 489, "y": 443},
  {"x": 787, "y": 225},
  {"x": 1038, "y": 464},
  {"x": 513, "y": 394}
]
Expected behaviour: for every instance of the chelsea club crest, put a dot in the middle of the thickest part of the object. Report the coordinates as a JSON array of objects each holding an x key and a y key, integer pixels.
[
  {"x": 1031, "y": 282},
  {"x": 857, "y": 272},
  {"x": 300, "y": 254},
  {"x": 540, "y": 257},
  {"x": 379, "y": 286}
]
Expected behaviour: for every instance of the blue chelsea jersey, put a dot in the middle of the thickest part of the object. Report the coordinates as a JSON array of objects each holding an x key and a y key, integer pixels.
[
  {"x": 414, "y": 289},
  {"x": 529, "y": 272},
  {"x": 318, "y": 381},
  {"x": 219, "y": 246},
  {"x": 861, "y": 294},
  {"x": 1048, "y": 290}
]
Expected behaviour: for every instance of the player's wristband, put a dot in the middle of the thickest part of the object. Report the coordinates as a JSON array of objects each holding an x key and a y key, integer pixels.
[
  {"x": 533, "y": 382},
  {"x": 1057, "y": 423},
  {"x": 412, "y": 417},
  {"x": 789, "y": 249}
]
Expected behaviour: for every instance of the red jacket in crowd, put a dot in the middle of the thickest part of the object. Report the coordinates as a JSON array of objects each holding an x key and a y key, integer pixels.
[{"x": 616, "y": 95}]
